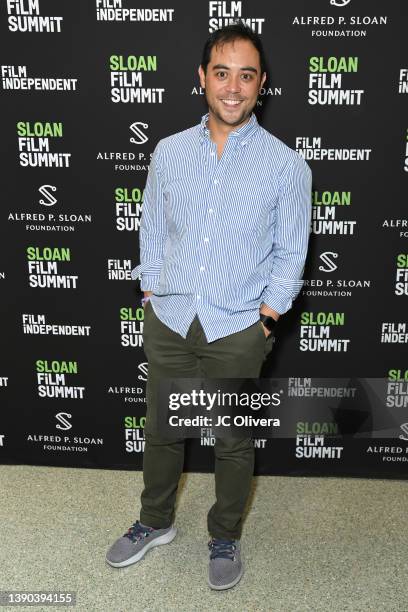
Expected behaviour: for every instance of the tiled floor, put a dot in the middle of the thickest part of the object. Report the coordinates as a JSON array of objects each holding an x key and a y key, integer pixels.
[{"x": 309, "y": 544}]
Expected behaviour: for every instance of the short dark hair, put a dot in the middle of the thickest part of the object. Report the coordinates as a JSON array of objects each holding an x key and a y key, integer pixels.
[{"x": 229, "y": 33}]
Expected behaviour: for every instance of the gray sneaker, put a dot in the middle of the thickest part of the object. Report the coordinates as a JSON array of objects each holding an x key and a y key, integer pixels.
[
  {"x": 134, "y": 544},
  {"x": 225, "y": 569}
]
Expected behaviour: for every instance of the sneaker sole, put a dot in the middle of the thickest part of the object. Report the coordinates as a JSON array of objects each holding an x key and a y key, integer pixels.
[
  {"x": 166, "y": 538},
  {"x": 222, "y": 587}
]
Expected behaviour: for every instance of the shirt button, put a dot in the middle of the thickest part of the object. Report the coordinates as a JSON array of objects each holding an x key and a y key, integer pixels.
[
  {"x": 198, "y": 296},
  {"x": 206, "y": 239},
  {"x": 216, "y": 181},
  {"x": 202, "y": 268},
  {"x": 212, "y": 153},
  {"x": 210, "y": 210}
]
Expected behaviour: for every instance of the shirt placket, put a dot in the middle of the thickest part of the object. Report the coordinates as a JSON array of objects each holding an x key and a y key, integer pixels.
[{"x": 216, "y": 170}]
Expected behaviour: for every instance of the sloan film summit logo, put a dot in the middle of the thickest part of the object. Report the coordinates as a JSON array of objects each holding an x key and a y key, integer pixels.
[
  {"x": 326, "y": 81},
  {"x": 397, "y": 389},
  {"x": 326, "y": 206},
  {"x": 34, "y": 145},
  {"x": 54, "y": 377},
  {"x": 134, "y": 434},
  {"x": 131, "y": 326},
  {"x": 316, "y": 331},
  {"x": 128, "y": 208},
  {"x": 44, "y": 271},
  {"x": 401, "y": 277},
  {"x": 126, "y": 79}
]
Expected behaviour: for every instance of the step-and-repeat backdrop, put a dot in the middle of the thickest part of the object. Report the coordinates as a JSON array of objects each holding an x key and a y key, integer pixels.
[{"x": 88, "y": 88}]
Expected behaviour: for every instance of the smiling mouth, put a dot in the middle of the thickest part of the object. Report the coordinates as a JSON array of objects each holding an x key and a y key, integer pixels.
[{"x": 231, "y": 103}]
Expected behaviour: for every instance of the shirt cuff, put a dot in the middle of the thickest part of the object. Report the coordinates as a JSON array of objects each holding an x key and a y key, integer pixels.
[
  {"x": 280, "y": 299},
  {"x": 149, "y": 282},
  {"x": 135, "y": 273}
]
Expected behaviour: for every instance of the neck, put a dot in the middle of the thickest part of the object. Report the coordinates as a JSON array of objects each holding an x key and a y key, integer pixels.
[{"x": 219, "y": 130}]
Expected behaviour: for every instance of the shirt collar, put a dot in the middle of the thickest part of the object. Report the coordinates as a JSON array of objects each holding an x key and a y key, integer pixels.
[{"x": 242, "y": 134}]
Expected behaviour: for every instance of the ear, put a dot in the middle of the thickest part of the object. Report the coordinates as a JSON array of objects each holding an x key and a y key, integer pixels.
[
  {"x": 263, "y": 79},
  {"x": 202, "y": 76}
]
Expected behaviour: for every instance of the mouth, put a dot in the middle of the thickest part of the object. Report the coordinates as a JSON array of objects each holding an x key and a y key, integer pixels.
[{"x": 231, "y": 103}]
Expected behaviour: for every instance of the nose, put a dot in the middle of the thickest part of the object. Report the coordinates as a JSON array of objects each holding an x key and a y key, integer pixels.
[{"x": 234, "y": 83}]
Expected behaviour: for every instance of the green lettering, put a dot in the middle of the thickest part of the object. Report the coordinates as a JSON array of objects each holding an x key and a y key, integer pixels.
[{"x": 402, "y": 260}]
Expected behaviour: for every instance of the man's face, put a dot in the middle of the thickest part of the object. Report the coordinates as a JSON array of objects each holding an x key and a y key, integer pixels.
[{"x": 232, "y": 81}]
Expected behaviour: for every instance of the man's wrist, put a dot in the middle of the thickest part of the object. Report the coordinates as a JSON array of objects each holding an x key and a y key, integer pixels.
[
  {"x": 269, "y": 312},
  {"x": 145, "y": 299},
  {"x": 268, "y": 322}
]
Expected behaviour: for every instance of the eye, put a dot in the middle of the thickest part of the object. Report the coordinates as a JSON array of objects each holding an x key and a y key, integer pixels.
[
  {"x": 220, "y": 74},
  {"x": 247, "y": 77}
]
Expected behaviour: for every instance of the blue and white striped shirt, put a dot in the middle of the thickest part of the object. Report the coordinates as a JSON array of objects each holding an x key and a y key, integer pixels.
[{"x": 220, "y": 236}]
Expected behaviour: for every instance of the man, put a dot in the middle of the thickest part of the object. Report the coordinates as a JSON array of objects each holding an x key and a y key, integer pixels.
[{"x": 223, "y": 242}]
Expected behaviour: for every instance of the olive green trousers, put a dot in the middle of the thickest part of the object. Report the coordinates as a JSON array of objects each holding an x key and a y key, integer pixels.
[{"x": 169, "y": 355}]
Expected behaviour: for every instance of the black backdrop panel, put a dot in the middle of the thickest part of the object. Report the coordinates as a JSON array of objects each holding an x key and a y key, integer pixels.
[{"x": 88, "y": 89}]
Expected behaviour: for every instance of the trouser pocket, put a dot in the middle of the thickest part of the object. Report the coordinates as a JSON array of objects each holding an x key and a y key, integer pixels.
[{"x": 268, "y": 341}]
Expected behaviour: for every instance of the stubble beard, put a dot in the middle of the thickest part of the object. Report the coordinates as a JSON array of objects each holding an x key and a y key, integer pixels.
[{"x": 240, "y": 119}]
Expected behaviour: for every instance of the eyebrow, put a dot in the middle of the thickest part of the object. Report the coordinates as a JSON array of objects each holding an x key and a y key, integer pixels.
[{"x": 249, "y": 68}]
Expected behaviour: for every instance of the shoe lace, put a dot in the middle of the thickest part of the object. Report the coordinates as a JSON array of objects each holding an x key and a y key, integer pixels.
[
  {"x": 137, "y": 531},
  {"x": 224, "y": 549}
]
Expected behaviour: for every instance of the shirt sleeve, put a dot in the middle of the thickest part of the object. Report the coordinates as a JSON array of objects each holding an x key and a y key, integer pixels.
[
  {"x": 292, "y": 231},
  {"x": 153, "y": 228}
]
